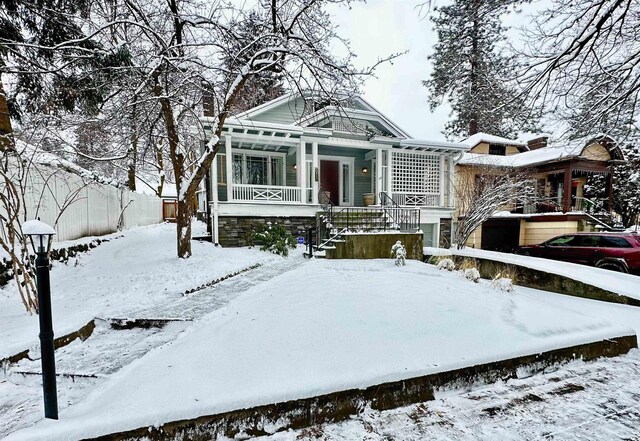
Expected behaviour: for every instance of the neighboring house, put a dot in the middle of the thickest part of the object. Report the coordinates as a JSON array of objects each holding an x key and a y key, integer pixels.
[
  {"x": 559, "y": 172},
  {"x": 284, "y": 160}
]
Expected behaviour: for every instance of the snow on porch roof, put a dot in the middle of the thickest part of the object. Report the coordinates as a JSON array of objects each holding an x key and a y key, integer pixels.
[
  {"x": 551, "y": 153},
  {"x": 437, "y": 146}
]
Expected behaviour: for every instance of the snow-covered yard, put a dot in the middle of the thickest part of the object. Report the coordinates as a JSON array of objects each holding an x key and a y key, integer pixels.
[
  {"x": 136, "y": 275},
  {"x": 595, "y": 401},
  {"x": 328, "y": 326}
]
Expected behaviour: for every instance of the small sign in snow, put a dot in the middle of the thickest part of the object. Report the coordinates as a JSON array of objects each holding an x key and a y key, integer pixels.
[
  {"x": 35, "y": 227},
  {"x": 300, "y": 240}
]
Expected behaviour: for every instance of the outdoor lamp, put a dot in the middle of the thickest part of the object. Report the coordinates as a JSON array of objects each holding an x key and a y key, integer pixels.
[
  {"x": 365, "y": 170},
  {"x": 41, "y": 236},
  {"x": 295, "y": 166}
]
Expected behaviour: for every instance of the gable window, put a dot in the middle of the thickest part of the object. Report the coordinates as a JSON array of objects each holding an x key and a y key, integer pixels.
[
  {"x": 497, "y": 149},
  {"x": 255, "y": 168}
]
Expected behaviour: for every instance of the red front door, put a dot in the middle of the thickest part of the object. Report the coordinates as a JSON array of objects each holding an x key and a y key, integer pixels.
[{"x": 330, "y": 180}]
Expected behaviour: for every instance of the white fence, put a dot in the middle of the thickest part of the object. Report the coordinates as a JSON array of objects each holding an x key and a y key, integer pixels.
[{"x": 77, "y": 208}]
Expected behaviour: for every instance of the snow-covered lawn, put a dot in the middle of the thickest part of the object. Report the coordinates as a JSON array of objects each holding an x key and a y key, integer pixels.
[
  {"x": 324, "y": 327},
  {"x": 620, "y": 283},
  {"x": 595, "y": 401},
  {"x": 137, "y": 273}
]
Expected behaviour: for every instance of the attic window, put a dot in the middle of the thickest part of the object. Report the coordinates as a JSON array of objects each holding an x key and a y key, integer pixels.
[{"x": 497, "y": 149}]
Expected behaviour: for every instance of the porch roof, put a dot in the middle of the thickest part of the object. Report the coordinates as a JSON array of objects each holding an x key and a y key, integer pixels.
[{"x": 432, "y": 146}]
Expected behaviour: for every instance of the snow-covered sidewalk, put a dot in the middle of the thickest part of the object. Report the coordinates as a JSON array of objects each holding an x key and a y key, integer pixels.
[
  {"x": 326, "y": 326},
  {"x": 134, "y": 274},
  {"x": 619, "y": 283}
]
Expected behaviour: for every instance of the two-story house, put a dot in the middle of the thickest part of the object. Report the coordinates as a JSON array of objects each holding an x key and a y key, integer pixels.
[{"x": 559, "y": 171}]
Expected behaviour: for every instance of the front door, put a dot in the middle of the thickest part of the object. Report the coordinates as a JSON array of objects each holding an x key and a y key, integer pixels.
[{"x": 330, "y": 180}]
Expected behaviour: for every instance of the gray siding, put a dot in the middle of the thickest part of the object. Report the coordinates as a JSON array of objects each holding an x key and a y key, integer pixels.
[{"x": 285, "y": 113}]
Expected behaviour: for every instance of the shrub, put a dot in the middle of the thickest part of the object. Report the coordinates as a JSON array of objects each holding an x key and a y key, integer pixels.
[
  {"x": 274, "y": 238},
  {"x": 446, "y": 264},
  {"x": 399, "y": 252},
  {"x": 471, "y": 274},
  {"x": 502, "y": 283}
]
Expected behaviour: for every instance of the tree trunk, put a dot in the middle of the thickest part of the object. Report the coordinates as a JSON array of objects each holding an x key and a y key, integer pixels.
[
  {"x": 183, "y": 216},
  {"x": 133, "y": 153},
  {"x": 5, "y": 122},
  {"x": 473, "y": 75},
  {"x": 183, "y": 224}
]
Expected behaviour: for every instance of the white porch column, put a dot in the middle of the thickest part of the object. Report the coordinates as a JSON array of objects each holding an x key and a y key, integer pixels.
[
  {"x": 379, "y": 177},
  {"x": 441, "y": 170},
  {"x": 314, "y": 173},
  {"x": 301, "y": 161},
  {"x": 452, "y": 188},
  {"x": 389, "y": 173},
  {"x": 229, "y": 155},
  {"x": 214, "y": 200}
]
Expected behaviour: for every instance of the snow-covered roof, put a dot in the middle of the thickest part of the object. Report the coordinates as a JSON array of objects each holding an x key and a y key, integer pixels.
[
  {"x": 552, "y": 153},
  {"x": 476, "y": 139},
  {"x": 36, "y": 155}
]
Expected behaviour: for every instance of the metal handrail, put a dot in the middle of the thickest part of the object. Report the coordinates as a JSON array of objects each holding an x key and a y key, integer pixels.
[{"x": 405, "y": 218}]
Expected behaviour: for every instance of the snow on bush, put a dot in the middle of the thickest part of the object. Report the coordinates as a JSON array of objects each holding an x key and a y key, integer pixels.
[
  {"x": 502, "y": 283},
  {"x": 399, "y": 252},
  {"x": 274, "y": 238},
  {"x": 471, "y": 274},
  {"x": 446, "y": 264}
]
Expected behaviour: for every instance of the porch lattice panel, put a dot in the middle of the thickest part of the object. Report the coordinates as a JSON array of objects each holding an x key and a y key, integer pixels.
[{"x": 417, "y": 177}]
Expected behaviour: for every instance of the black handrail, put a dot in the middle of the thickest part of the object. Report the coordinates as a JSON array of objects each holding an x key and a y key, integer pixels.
[{"x": 405, "y": 218}]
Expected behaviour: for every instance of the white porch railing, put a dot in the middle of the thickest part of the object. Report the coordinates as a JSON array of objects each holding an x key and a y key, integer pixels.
[
  {"x": 266, "y": 193},
  {"x": 416, "y": 199}
]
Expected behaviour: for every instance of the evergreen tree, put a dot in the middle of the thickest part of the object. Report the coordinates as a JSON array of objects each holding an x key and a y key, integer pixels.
[{"x": 472, "y": 72}]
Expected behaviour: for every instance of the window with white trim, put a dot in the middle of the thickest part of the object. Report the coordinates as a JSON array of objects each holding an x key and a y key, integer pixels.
[{"x": 258, "y": 169}]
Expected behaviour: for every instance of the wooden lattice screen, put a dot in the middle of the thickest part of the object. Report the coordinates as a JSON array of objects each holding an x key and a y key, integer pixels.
[{"x": 416, "y": 173}]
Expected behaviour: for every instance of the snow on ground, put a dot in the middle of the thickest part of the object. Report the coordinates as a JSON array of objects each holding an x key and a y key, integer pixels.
[
  {"x": 623, "y": 284},
  {"x": 596, "y": 401},
  {"x": 325, "y": 326},
  {"x": 137, "y": 272}
]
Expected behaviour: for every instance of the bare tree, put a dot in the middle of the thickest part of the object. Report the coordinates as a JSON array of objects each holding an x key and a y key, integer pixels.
[
  {"x": 481, "y": 191},
  {"x": 180, "y": 50},
  {"x": 585, "y": 49}
]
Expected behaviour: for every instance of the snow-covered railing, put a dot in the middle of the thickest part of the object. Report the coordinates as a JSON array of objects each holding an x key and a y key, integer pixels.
[
  {"x": 266, "y": 193},
  {"x": 416, "y": 199}
]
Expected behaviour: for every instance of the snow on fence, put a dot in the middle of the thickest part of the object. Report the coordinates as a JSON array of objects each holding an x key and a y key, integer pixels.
[{"x": 77, "y": 207}]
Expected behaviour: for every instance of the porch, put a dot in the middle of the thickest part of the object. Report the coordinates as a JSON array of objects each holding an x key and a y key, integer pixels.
[{"x": 283, "y": 167}]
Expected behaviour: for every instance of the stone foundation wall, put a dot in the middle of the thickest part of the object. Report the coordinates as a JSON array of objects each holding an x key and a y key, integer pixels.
[{"x": 234, "y": 231}]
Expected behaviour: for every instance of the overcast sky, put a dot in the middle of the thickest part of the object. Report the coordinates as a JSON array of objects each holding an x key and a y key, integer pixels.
[{"x": 382, "y": 27}]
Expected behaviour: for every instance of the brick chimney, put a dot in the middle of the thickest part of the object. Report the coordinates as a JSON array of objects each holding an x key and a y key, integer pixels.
[{"x": 537, "y": 143}]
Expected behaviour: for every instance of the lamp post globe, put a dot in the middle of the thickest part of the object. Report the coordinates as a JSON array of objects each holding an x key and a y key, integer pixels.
[{"x": 41, "y": 235}]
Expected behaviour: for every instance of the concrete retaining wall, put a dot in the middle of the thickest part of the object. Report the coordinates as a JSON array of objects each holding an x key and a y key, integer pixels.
[
  {"x": 533, "y": 278},
  {"x": 376, "y": 246},
  {"x": 339, "y": 406}
]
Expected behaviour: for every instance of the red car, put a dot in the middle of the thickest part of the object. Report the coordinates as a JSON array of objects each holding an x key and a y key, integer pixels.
[{"x": 614, "y": 251}]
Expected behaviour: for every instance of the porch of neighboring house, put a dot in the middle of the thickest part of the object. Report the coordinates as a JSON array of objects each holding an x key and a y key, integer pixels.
[
  {"x": 258, "y": 177},
  {"x": 554, "y": 179}
]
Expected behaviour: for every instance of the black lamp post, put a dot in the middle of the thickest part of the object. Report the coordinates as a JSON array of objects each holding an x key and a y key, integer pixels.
[{"x": 41, "y": 236}]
